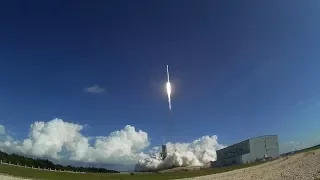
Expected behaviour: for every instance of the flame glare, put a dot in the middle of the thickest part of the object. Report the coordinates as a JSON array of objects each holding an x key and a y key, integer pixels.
[{"x": 168, "y": 86}]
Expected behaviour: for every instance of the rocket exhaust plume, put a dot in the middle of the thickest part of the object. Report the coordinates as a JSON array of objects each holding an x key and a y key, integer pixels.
[
  {"x": 196, "y": 153},
  {"x": 168, "y": 87}
]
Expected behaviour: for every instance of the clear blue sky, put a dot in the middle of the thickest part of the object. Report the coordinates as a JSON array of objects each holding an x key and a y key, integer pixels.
[{"x": 239, "y": 68}]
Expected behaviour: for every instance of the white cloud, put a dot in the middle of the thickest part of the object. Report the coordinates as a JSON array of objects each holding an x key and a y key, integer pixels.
[
  {"x": 59, "y": 140},
  {"x": 94, "y": 89},
  {"x": 50, "y": 139},
  {"x": 3, "y": 134}
]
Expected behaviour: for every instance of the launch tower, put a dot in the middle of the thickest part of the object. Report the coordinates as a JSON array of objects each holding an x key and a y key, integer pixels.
[{"x": 164, "y": 152}]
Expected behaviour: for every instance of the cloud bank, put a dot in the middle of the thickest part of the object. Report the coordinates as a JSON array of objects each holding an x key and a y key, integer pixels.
[{"x": 59, "y": 140}]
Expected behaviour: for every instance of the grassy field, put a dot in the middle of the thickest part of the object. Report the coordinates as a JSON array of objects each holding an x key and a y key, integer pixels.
[{"x": 38, "y": 174}]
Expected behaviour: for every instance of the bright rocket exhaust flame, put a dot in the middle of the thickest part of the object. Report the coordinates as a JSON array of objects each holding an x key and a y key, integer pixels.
[
  {"x": 169, "y": 94},
  {"x": 168, "y": 86}
]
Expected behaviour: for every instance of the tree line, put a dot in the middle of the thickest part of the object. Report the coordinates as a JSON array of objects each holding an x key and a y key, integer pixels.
[{"x": 44, "y": 163}]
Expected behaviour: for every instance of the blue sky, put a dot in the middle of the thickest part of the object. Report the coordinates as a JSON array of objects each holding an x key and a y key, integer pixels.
[{"x": 239, "y": 69}]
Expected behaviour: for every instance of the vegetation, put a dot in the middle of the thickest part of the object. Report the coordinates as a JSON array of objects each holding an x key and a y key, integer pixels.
[
  {"x": 48, "y": 175},
  {"x": 311, "y": 148},
  {"x": 21, "y": 160}
]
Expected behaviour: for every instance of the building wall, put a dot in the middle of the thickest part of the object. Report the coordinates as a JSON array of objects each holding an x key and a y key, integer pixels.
[
  {"x": 273, "y": 148},
  {"x": 249, "y": 151},
  {"x": 234, "y": 150},
  {"x": 246, "y": 158},
  {"x": 233, "y": 154},
  {"x": 260, "y": 146}
]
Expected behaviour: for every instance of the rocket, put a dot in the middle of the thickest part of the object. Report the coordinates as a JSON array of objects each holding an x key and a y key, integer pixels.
[
  {"x": 164, "y": 152},
  {"x": 168, "y": 86}
]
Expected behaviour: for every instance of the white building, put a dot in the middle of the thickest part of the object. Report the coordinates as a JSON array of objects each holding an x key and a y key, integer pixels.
[{"x": 248, "y": 151}]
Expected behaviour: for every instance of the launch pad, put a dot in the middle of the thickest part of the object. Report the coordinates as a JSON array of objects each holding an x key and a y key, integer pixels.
[{"x": 164, "y": 152}]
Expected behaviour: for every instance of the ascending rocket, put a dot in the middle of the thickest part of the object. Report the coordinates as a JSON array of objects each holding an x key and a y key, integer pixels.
[{"x": 168, "y": 86}]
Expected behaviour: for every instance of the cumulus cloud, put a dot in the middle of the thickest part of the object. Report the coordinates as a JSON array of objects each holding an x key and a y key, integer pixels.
[
  {"x": 59, "y": 140},
  {"x": 3, "y": 134},
  {"x": 94, "y": 89}
]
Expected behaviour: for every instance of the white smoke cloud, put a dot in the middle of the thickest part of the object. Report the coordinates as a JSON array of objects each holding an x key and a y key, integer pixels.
[
  {"x": 197, "y": 153},
  {"x": 60, "y": 140}
]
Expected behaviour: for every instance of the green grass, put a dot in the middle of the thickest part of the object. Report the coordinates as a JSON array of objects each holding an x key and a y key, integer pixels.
[
  {"x": 38, "y": 174},
  {"x": 312, "y": 148}
]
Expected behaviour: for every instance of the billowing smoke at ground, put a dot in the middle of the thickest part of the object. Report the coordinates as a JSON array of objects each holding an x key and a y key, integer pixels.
[
  {"x": 62, "y": 141},
  {"x": 197, "y": 153}
]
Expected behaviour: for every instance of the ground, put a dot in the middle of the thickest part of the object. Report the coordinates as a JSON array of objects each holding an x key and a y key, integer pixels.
[
  {"x": 300, "y": 166},
  {"x": 38, "y": 174}
]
